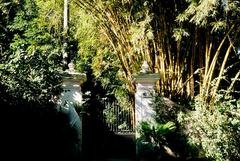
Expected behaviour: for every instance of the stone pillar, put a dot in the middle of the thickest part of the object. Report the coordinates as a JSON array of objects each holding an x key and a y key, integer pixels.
[
  {"x": 71, "y": 98},
  {"x": 145, "y": 87}
]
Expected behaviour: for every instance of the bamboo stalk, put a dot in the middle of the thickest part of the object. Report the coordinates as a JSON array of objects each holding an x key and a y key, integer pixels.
[
  {"x": 220, "y": 77},
  {"x": 214, "y": 61},
  {"x": 232, "y": 84}
]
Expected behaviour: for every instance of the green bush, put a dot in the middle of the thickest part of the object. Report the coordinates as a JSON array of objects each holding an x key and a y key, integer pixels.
[
  {"x": 216, "y": 133},
  {"x": 153, "y": 140},
  {"x": 166, "y": 110},
  {"x": 30, "y": 58},
  {"x": 163, "y": 140}
]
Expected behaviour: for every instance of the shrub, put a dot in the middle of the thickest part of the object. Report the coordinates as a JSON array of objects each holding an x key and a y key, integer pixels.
[
  {"x": 163, "y": 140},
  {"x": 215, "y": 133},
  {"x": 153, "y": 142}
]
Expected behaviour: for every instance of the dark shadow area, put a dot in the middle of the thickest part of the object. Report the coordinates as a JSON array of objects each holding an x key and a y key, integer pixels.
[
  {"x": 100, "y": 143},
  {"x": 32, "y": 132},
  {"x": 120, "y": 146}
]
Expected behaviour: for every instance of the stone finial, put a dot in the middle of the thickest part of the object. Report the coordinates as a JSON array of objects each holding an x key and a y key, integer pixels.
[
  {"x": 71, "y": 67},
  {"x": 145, "y": 67}
]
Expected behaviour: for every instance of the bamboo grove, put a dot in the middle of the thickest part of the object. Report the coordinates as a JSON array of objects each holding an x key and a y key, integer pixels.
[{"x": 192, "y": 43}]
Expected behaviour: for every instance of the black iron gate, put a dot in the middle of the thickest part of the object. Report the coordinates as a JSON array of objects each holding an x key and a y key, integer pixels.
[{"x": 118, "y": 120}]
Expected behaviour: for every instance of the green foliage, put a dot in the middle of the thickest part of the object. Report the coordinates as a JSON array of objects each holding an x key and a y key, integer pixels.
[
  {"x": 166, "y": 110},
  {"x": 50, "y": 15},
  {"x": 153, "y": 139},
  {"x": 200, "y": 12},
  {"x": 106, "y": 70},
  {"x": 95, "y": 57},
  {"x": 156, "y": 133},
  {"x": 141, "y": 32},
  {"x": 30, "y": 66},
  {"x": 215, "y": 133},
  {"x": 162, "y": 138},
  {"x": 7, "y": 13},
  {"x": 179, "y": 33},
  {"x": 84, "y": 29},
  {"x": 215, "y": 13}
]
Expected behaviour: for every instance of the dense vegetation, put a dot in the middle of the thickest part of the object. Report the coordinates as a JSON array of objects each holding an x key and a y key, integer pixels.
[
  {"x": 30, "y": 55},
  {"x": 193, "y": 44},
  {"x": 30, "y": 61}
]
